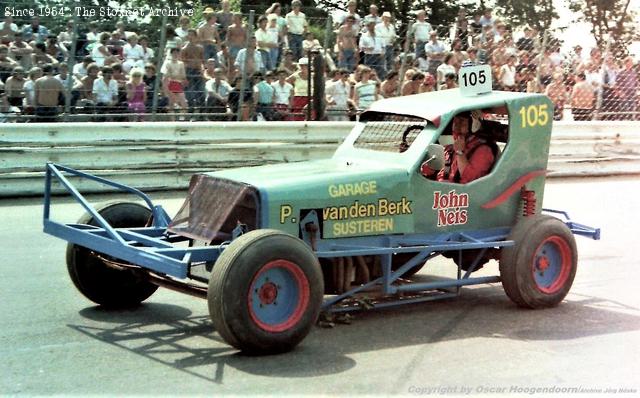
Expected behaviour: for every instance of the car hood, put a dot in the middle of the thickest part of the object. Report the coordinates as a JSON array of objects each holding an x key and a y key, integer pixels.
[{"x": 298, "y": 175}]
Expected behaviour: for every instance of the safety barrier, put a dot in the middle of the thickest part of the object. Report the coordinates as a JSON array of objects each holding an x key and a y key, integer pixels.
[{"x": 163, "y": 156}]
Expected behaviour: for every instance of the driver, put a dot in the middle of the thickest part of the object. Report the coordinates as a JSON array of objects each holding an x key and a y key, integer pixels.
[{"x": 470, "y": 157}]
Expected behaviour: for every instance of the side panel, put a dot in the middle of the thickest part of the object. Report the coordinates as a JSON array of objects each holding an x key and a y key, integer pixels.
[
  {"x": 494, "y": 200},
  {"x": 376, "y": 204}
]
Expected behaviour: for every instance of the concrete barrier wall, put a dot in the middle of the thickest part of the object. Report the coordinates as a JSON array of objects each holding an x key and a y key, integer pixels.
[{"x": 159, "y": 156}]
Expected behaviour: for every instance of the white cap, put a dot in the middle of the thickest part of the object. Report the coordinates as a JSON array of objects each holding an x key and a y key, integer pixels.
[{"x": 303, "y": 61}]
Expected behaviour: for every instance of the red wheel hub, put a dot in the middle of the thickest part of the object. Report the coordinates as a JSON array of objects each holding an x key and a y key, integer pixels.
[
  {"x": 543, "y": 263},
  {"x": 268, "y": 293}
]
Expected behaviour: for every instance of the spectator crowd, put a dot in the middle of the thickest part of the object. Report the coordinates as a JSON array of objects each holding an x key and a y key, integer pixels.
[{"x": 221, "y": 68}]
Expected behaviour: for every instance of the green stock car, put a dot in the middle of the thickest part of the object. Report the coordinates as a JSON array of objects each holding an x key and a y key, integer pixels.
[{"x": 271, "y": 247}]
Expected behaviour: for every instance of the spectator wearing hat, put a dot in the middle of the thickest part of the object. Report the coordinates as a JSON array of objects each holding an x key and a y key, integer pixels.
[
  {"x": 373, "y": 48},
  {"x": 249, "y": 60},
  {"x": 236, "y": 36},
  {"x": 435, "y": 51},
  {"x": 582, "y": 99},
  {"x": 387, "y": 33},
  {"x": 301, "y": 90},
  {"x": 208, "y": 34},
  {"x": 296, "y": 28},
  {"x": 420, "y": 31}
]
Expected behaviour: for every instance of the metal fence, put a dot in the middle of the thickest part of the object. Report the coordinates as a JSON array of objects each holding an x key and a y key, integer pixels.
[{"x": 155, "y": 68}]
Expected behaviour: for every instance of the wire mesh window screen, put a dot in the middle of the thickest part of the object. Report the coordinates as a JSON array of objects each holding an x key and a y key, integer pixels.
[{"x": 390, "y": 133}]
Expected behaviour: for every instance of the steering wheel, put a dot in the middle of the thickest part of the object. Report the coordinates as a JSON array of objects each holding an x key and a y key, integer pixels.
[{"x": 404, "y": 145}]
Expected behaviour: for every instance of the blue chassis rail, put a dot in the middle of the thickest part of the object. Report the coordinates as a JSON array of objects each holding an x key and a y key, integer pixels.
[{"x": 154, "y": 248}]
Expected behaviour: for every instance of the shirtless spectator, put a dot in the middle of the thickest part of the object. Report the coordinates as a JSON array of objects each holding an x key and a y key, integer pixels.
[
  {"x": 208, "y": 34},
  {"x": 389, "y": 87},
  {"x": 225, "y": 18},
  {"x": 557, "y": 91},
  {"x": 582, "y": 99},
  {"x": 48, "y": 95},
  {"x": 347, "y": 45},
  {"x": 40, "y": 57},
  {"x": 21, "y": 51},
  {"x": 236, "y": 36},
  {"x": 6, "y": 64},
  {"x": 193, "y": 56},
  {"x": 173, "y": 80},
  {"x": 14, "y": 87},
  {"x": 82, "y": 93},
  {"x": 412, "y": 86}
]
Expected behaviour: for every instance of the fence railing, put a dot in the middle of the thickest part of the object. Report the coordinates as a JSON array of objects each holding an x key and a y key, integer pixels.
[
  {"x": 595, "y": 85},
  {"x": 163, "y": 156}
]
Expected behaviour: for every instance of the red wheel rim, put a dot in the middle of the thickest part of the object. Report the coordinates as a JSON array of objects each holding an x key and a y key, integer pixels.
[{"x": 551, "y": 264}]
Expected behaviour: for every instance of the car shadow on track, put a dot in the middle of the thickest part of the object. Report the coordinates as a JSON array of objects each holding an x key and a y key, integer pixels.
[{"x": 171, "y": 335}]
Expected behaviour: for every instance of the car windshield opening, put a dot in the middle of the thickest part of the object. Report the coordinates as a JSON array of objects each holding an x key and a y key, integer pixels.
[{"x": 389, "y": 132}]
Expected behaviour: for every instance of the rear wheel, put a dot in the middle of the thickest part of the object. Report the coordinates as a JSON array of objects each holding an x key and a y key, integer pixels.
[
  {"x": 265, "y": 292},
  {"x": 539, "y": 269},
  {"x": 96, "y": 280}
]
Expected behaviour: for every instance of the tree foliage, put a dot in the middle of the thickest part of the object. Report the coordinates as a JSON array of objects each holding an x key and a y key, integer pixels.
[
  {"x": 538, "y": 14},
  {"x": 610, "y": 20}
]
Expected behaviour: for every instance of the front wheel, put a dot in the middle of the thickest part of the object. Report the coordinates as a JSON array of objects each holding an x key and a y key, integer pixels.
[
  {"x": 96, "y": 280},
  {"x": 265, "y": 292},
  {"x": 538, "y": 271}
]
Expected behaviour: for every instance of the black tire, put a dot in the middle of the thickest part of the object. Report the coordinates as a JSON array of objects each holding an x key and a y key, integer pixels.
[
  {"x": 97, "y": 281},
  {"x": 242, "y": 298},
  {"x": 543, "y": 245}
]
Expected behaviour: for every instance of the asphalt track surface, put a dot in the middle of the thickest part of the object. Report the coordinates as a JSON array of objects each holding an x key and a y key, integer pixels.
[{"x": 54, "y": 341}]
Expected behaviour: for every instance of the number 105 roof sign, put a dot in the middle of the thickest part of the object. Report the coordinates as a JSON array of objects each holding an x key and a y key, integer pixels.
[{"x": 474, "y": 80}]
